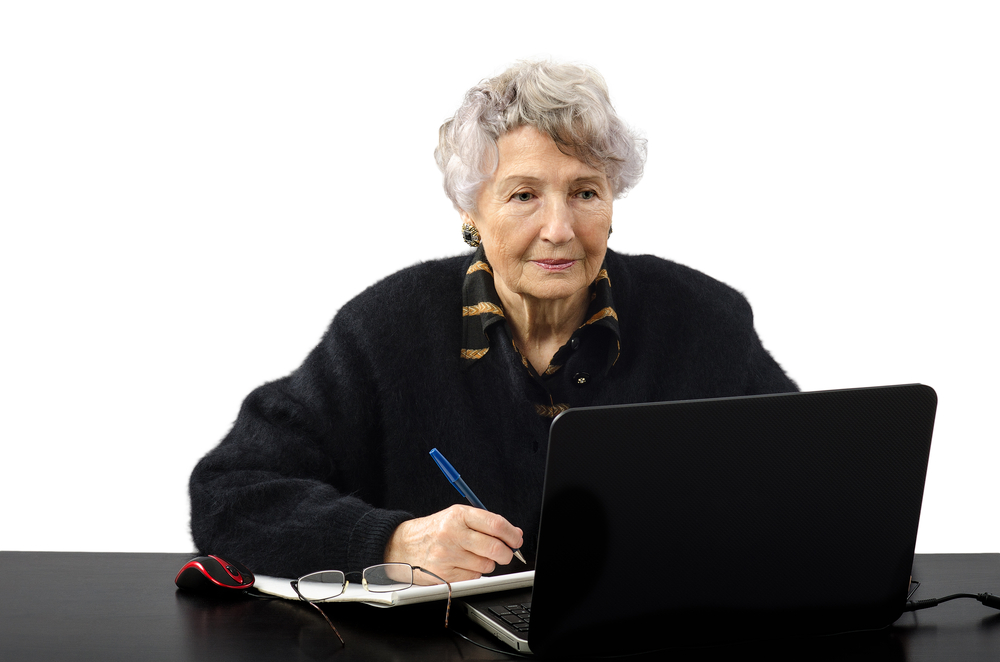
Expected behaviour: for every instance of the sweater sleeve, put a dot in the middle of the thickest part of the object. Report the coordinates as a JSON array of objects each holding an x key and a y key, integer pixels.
[
  {"x": 291, "y": 488},
  {"x": 697, "y": 330},
  {"x": 764, "y": 374}
]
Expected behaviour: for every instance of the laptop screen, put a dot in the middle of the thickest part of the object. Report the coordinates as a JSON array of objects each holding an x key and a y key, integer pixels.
[{"x": 778, "y": 513}]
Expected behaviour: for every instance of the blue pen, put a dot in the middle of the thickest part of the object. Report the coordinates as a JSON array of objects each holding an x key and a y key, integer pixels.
[{"x": 456, "y": 481}]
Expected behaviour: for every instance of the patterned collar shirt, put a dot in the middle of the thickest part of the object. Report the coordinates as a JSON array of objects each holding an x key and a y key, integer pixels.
[{"x": 575, "y": 370}]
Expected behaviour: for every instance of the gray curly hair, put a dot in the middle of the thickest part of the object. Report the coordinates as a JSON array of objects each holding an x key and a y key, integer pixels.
[{"x": 568, "y": 102}]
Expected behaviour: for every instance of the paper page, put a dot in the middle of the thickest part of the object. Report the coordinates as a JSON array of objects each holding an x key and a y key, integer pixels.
[{"x": 354, "y": 592}]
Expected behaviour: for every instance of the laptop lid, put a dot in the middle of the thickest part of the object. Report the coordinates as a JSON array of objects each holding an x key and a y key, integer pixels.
[{"x": 703, "y": 521}]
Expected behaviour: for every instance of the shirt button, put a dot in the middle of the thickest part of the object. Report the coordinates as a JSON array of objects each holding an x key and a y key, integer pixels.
[
  {"x": 574, "y": 343},
  {"x": 581, "y": 378}
]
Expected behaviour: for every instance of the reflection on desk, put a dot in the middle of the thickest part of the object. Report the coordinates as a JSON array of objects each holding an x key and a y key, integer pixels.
[{"x": 82, "y": 606}]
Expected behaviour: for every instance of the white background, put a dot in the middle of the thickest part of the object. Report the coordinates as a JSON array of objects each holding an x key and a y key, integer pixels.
[{"x": 190, "y": 190}]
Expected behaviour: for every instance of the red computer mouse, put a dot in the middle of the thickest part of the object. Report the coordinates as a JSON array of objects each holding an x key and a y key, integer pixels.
[{"x": 211, "y": 574}]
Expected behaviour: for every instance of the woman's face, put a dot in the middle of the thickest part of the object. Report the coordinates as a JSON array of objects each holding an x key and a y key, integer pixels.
[{"x": 543, "y": 218}]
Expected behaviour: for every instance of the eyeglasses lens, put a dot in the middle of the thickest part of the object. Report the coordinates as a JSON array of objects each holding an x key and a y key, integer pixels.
[
  {"x": 388, "y": 577},
  {"x": 322, "y": 585}
]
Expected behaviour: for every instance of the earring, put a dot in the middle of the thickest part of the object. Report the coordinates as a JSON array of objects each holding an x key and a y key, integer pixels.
[
  {"x": 471, "y": 235},
  {"x": 609, "y": 230}
]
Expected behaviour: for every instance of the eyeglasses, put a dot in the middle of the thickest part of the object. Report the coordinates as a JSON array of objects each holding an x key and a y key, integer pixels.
[{"x": 384, "y": 578}]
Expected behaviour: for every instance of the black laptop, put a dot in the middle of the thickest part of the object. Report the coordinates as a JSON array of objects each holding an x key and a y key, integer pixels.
[{"x": 703, "y": 522}]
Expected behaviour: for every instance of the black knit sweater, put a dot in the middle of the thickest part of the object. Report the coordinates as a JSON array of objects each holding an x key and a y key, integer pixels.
[{"x": 322, "y": 465}]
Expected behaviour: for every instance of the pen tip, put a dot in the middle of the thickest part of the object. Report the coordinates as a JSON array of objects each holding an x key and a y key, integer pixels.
[{"x": 520, "y": 557}]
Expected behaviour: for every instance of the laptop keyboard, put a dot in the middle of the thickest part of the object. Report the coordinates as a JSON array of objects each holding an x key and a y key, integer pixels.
[{"x": 517, "y": 616}]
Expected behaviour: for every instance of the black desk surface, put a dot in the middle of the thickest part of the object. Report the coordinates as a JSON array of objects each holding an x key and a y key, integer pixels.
[{"x": 84, "y": 606}]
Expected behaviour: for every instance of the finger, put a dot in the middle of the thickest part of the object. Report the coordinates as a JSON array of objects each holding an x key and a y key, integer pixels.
[
  {"x": 447, "y": 574},
  {"x": 493, "y": 525},
  {"x": 487, "y": 547},
  {"x": 453, "y": 563},
  {"x": 454, "y": 545},
  {"x": 469, "y": 550},
  {"x": 446, "y": 545}
]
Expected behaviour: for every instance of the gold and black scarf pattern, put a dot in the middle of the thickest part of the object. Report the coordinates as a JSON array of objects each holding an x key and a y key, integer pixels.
[{"x": 481, "y": 308}]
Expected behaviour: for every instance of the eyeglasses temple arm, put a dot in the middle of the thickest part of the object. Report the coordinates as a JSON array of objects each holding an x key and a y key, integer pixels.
[
  {"x": 295, "y": 587},
  {"x": 447, "y": 609}
]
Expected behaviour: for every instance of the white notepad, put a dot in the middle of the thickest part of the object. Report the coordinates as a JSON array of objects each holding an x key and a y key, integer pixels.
[{"x": 354, "y": 592}]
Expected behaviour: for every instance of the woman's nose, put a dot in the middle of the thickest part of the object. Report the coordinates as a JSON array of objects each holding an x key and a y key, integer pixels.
[{"x": 557, "y": 223}]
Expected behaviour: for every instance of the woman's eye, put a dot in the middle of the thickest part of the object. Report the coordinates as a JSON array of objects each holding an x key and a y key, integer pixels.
[
  {"x": 588, "y": 195},
  {"x": 523, "y": 196}
]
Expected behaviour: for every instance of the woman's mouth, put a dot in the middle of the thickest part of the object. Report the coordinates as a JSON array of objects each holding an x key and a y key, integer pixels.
[{"x": 555, "y": 265}]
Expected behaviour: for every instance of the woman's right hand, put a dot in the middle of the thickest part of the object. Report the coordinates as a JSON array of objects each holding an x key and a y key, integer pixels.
[{"x": 460, "y": 542}]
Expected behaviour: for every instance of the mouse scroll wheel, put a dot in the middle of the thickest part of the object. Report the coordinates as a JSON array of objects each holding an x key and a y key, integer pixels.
[{"x": 234, "y": 573}]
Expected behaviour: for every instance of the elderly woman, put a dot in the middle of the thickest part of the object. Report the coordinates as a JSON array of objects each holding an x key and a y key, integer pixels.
[{"x": 328, "y": 468}]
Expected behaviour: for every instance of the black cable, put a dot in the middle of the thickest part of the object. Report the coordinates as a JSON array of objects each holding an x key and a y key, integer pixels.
[
  {"x": 987, "y": 599},
  {"x": 492, "y": 650}
]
